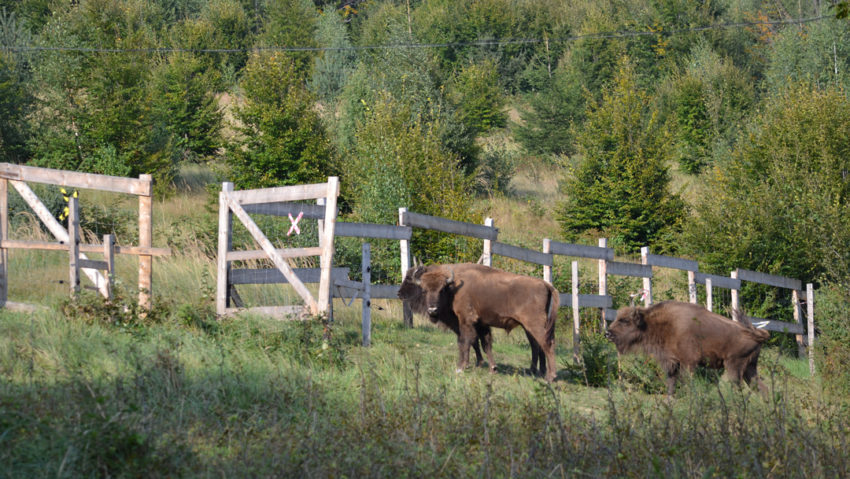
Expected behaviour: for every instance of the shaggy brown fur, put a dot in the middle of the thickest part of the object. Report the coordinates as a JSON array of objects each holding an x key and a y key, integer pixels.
[
  {"x": 683, "y": 335},
  {"x": 469, "y": 299}
]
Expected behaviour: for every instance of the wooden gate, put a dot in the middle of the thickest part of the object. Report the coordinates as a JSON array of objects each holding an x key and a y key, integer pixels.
[
  {"x": 19, "y": 175},
  {"x": 276, "y": 201}
]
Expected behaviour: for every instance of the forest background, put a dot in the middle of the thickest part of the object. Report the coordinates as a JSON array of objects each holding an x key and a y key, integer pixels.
[{"x": 716, "y": 130}]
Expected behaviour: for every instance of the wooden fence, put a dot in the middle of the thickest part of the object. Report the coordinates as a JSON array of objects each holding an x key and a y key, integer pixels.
[
  {"x": 69, "y": 239},
  {"x": 607, "y": 266}
]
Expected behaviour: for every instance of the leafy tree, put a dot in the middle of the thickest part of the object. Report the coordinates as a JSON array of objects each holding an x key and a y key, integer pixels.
[
  {"x": 221, "y": 25},
  {"x": 405, "y": 74},
  {"x": 780, "y": 204},
  {"x": 707, "y": 104},
  {"x": 333, "y": 66},
  {"x": 282, "y": 141},
  {"x": 620, "y": 185},
  {"x": 15, "y": 102},
  {"x": 398, "y": 162},
  {"x": 818, "y": 52},
  {"x": 498, "y": 24},
  {"x": 183, "y": 101},
  {"x": 478, "y": 98},
  {"x": 548, "y": 118},
  {"x": 289, "y": 23},
  {"x": 96, "y": 111}
]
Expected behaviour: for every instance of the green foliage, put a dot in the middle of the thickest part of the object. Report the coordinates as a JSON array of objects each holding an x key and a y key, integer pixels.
[
  {"x": 779, "y": 204},
  {"x": 693, "y": 125},
  {"x": 15, "y": 102},
  {"x": 547, "y": 121},
  {"x": 707, "y": 103},
  {"x": 183, "y": 101},
  {"x": 620, "y": 185},
  {"x": 599, "y": 359},
  {"x": 405, "y": 75},
  {"x": 398, "y": 163},
  {"x": 833, "y": 340},
  {"x": 818, "y": 53},
  {"x": 282, "y": 141},
  {"x": 333, "y": 66},
  {"x": 519, "y": 65},
  {"x": 291, "y": 23},
  {"x": 122, "y": 311},
  {"x": 477, "y": 95},
  {"x": 97, "y": 108}
]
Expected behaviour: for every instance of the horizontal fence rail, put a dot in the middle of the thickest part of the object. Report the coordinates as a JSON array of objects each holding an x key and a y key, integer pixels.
[
  {"x": 522, "y": 254},
  {"x": 435, "y": 223}
]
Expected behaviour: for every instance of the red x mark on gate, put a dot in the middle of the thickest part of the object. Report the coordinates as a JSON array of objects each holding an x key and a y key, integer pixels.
[{"x": 294, "y": 222}]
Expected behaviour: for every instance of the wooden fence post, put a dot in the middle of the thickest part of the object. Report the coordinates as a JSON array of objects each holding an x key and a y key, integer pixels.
[
  {"x": 487, "y": 253},
  {"x": 795, "y": 303},
  {"x": 109, "y": 258},
  {"x": 647, "y": 282},
  {"x": 547, "y": 270},
  {"x": 327, "y": 246},
  {"x": 709, "y": 295},
  {"x": 4, "y": 235},
  {"x": 366, "y": 265},
  {"x": 692, "y": 287},
  {"x": 736, "y": 306},
  {"x": 810, "y": 313},
  {"x": 146, "y": 241},
  {"x": 225, "y": 225},
  {"x": 74, "y": 244},
  {"x": 603, "y": 281},
  {"x": 576, "y": 315},
  {"x": 404, "y": 246}
]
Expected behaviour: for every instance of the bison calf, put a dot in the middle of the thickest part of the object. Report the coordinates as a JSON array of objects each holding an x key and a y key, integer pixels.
[{"x": 683, "y": 335}]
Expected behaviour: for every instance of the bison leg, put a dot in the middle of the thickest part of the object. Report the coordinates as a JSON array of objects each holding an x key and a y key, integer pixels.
[
  {"x": 536, "y": 356},
  {"x": 479, "y": 359},
  {"x": 485, "y": 336},
  {"x": 672, "y": 374},
  {"x": 547, "y": 348},
  {"x": 465, "y": 338},
  {"x": 750, "y": 375}
]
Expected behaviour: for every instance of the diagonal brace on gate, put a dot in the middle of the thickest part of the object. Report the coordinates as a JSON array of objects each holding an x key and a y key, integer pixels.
[{"x": 272, "y": 253}]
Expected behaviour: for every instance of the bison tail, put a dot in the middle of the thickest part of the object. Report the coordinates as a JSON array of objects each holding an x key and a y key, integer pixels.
[
  {"x": 759, "y": 335},
  {"x": 552, "y": 313}
]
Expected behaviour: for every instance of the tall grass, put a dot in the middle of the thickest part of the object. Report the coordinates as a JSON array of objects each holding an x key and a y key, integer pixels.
[{"x": 190, "y": 396}]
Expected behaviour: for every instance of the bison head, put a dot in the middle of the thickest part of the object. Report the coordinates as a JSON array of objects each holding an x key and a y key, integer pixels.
[
  {"x": 627, "y": 329},
  {"x": 437, "y": 288},
  {"x": 411, "y": 291}
]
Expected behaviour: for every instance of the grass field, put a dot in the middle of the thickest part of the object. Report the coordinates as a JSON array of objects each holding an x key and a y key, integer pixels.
[
  {"x": 252, "y": 397},
  {"x": 91, "y": 391}
]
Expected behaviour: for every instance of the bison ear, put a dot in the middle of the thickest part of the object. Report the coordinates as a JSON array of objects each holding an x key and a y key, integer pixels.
[{"x": 638, "y": 319}]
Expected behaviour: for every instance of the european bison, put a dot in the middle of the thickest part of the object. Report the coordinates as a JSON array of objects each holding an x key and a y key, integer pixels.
[
  {"x": 470, "y": 298},
  {"x": 683, "y": 335},
  {"x": 412, "y": 293}
]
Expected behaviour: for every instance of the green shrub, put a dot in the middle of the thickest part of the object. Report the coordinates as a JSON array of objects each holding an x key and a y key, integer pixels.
[{"x": 833, "y": 341}]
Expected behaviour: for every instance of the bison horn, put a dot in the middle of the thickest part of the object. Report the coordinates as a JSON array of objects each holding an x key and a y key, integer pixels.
[{"x": 451, "y": 278}]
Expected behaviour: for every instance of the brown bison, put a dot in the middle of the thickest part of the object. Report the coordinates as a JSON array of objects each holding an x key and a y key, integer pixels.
[
  {"x": 683, "y": 335},
  {"x": 470, "y": 299},
  {"x": 412, "y": 293}
]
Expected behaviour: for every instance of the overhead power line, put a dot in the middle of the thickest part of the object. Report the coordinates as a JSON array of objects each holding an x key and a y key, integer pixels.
[{"x": 509, "y": 41}]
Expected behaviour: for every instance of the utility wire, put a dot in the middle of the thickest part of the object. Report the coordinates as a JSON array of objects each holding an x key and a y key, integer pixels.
[{"x": 515, "y": 41}]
